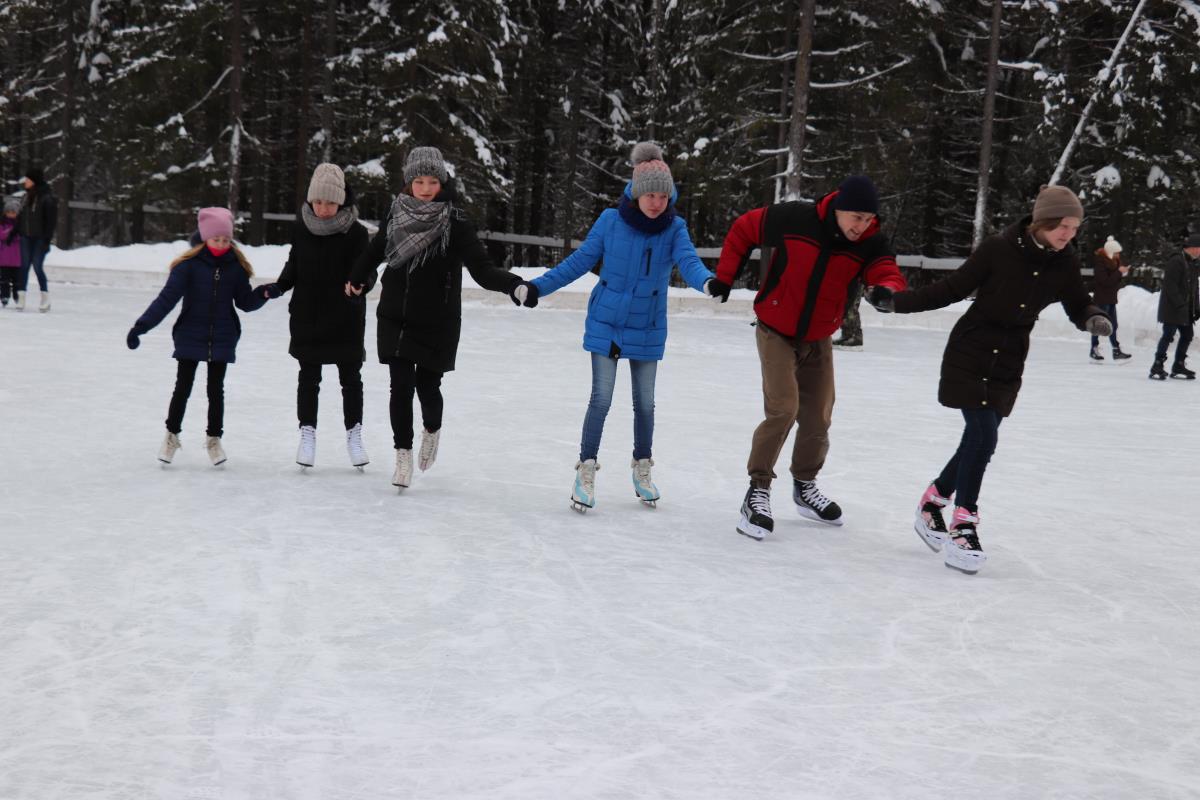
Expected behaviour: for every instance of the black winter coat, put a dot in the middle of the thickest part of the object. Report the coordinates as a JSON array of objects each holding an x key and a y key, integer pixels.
[
  {"x": 39, "y": 213},
  {"x": 327, "y": 327},
  {"x": 1014, "y": 279},
  {"x": 1179, "y": 302},
  {"x": 1106, "y": 280},
  {"x": 420, "y": 313}
]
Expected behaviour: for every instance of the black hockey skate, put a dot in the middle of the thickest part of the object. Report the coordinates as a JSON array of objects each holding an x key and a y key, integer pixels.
[
  {"x": 1178, "y": 370},
  {"x": 756, "y": 520},
  {"x": 814, "y": 505},
  {"x": 1157, "y": 373},
  {"x": 1094, "y": 355}
]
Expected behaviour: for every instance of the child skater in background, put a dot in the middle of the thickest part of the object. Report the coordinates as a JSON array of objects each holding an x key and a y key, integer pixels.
[
  {"x": 10, "y": 251},
  {"x": 640, "y": 241},
  {"x": 1014, "y": 275},
  {"x": 210, "y": 278},
  {"x": 326, "y": 326},
  {"x": 425, "y": 241}
]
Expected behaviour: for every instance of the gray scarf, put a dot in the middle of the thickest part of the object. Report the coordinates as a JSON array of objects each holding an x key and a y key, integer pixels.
[
  {"x": 338, "y": 223},
  {"x": 416, "y": 231}
]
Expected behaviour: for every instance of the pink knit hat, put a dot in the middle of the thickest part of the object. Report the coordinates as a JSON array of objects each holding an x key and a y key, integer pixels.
[
  {"x": 214, "y": 222},
  {"x": 650, "y": 172}
]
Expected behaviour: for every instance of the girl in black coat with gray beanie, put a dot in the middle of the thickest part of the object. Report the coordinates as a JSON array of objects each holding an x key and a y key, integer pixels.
[
  {"x": 425, "y": 241},
  {"x": 1014, "y": 275},
  {"x": 327, "y": 327}
]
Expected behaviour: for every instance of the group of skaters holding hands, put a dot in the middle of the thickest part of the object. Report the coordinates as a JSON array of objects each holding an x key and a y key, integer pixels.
[{"x": 818, "y": 251}]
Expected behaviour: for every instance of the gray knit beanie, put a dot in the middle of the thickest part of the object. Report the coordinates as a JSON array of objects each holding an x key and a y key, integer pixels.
[
  {"x": 425, "y": 161},
  {"x": 650, "y": 172},
  {"x": 328, "y": 183},
  {"x": 12, "y": 204},
  {"x": 1056, "y": 202}
]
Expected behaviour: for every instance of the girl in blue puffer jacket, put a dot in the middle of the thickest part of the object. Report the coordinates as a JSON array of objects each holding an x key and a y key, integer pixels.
[
  {"x": 210, "y": 278},
  {"x": 640, "y": 241}
]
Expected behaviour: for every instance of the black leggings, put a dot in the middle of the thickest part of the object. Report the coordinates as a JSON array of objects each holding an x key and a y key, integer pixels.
[
  {"x": 309, "y": 387},
  {"x": 963, "y": 474},
  {"x": 407, "y": 377},
  {"x": 184, "y": 378}
]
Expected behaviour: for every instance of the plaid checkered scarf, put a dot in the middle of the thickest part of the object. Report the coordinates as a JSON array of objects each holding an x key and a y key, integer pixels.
[{"x": 416, "y": 232}]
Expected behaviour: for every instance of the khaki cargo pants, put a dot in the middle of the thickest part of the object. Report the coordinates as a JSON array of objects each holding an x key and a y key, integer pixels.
[{"x": 797, "y": 384}]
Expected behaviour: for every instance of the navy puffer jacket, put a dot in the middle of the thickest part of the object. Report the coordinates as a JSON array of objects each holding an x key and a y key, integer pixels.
[{"x": 210, "y": 286}]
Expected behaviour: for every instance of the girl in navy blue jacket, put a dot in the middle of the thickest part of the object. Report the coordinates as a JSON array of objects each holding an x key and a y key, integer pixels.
[
  {"x": 210, "y": 278},
  {"x": 640, "y": 241}
]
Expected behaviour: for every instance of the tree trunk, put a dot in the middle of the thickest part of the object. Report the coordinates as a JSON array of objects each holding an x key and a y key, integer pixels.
[
  {"x": 989, "y": 115},
  {"x": 66, "y": 182},
  {"x": 301, "y": 163},
  {"x": 327, "y": 80},
  {"x": 235, "y": 104},
  {"x": 799, "y": 121},
  {"x": 785, "y": 85},
  {"x": 654, "y": 71}
]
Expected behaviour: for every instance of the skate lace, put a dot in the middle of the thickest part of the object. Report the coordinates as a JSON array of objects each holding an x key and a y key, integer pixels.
[
  {"x": 641, "y": 468},
  {"x": 760, "y": 501},
  {"x": 810, "y": 494},
  {"x": 173, "y": 441},
  {"x": 429, "y": 443},
  {"x": 587, "y": 474},
  {"x": 308, "y": 435}
]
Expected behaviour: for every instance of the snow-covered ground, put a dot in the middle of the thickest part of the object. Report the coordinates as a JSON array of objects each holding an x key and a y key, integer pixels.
[{"x": 258, "y": 632}]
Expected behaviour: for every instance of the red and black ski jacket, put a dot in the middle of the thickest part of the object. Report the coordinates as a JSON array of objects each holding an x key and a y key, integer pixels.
[{"x": 803, "y": 295}]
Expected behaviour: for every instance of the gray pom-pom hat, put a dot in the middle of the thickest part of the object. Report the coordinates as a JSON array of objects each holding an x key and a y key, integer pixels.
[{"x": 650, "y": 172}]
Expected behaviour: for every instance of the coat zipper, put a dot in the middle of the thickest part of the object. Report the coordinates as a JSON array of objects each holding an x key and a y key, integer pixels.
[
  {"x": 212, "y": 311},
  {"x": 647, "y": 261}
]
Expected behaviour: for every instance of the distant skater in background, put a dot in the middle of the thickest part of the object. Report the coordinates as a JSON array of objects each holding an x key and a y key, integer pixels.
[
  {"x": 1108, "y": 269},
  {"x": 852, "y": 332},
  {"x": 326, "y": 326},
  {"x": 36, "y": 222},
  {"x": 10, "y": 251},
  {"x": 425, "y": 242},
  {"x": 211, "y": 279},
  {"x": 1014, "y": 275},
  {"x": 640, "y": 242},
  {"x": 1178, "y": 309}
]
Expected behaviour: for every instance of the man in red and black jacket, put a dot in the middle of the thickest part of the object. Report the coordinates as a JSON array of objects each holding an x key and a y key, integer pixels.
[{"x": 818, "y": 251}]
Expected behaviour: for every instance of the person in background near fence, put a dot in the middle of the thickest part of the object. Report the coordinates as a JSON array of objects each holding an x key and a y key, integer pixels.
[
  {"x": 1179, "y": 309},
  {"x": 1014, "y": 275},
  {"x": 1107, "y": 270},
  {"x": 852, "y": 332},
  {"x": 210, "y": 278},
  {"x": 326, "y": 326},
  {"x": 640, "y": 241},
  {"x": 425, "y": 241},
  {"x": 819, "y": 250},
  {"x": 10, "y": 251},
  {"x": 36, "y": 222}
]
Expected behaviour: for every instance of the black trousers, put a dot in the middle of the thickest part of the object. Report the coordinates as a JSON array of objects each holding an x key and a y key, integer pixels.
[
  {"x": 309, "y": 387},
  {"x": 407, "y": 378},
  {"x": 184, "y": 378},
  {"x": 8, "y": 282},
  {"x": 1186, "y": 332}
]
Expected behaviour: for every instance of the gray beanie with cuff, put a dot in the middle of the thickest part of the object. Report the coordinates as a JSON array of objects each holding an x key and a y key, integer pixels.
[
  {"x": 328, "y": 183},
  {"x": 425, "y": 161},
  {"x": 650, "y": 172}
]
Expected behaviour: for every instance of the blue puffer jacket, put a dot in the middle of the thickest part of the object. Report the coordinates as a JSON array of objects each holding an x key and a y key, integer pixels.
[
  {"x": 627, "y": 311},
  {"x": 208, "y": 328}
]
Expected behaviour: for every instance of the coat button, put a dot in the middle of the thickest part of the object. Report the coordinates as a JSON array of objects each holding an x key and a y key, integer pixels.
[
  {"x": 1035, "y": 274},
  {"x": 985, "y": 380},
  {"x": 1022, "y": 305},
  {"x": 995, "y": 351},
  {"x": 985, "y": 402}
]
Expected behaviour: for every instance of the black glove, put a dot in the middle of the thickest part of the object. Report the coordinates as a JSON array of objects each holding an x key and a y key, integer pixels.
[
  {"x": 717, "y": 288},
  {"x": 881, "y": 298},
  {"x": 524, "y": 294},
  {"x": 131, "y": 338},
  {"x": 271, "y": 290}
]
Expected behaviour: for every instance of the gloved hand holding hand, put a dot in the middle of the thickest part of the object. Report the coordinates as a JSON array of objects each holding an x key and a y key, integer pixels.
[
  {"x": 882, "y": 299},
  {"x": 717, "y": 289},
  {"x": 354, "y": 289},
  {"x": 524, "y": 294},
  {"x": 271, "y": 290},
  {"x": 1098, "y": 325}
]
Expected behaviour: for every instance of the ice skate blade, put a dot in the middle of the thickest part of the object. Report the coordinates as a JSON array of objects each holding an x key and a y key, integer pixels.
[
  {"x": 755, "y": 532},
  {"x": 648, "y": 503},
  {"x": 808, "y": 513},
  {"x": 934, "y": 540},
  {"x": 967, "y": 562},
  {"x": 304, "y": 467},
  {"x": 359, "y": 467},
  {"x": 581, "y": 508}
]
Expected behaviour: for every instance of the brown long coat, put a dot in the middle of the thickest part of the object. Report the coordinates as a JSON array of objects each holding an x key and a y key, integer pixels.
[
  {"x": 1106, "y": 280},
  {"x": 1014, "y": 279}
]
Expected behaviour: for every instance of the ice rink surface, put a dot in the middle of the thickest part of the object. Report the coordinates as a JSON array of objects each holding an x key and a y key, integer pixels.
[{"x": 257, "y": 632}]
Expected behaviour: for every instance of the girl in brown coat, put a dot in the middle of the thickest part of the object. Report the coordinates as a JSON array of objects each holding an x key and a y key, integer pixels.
[
  {"x": 1014, "y": 275},
  {"x": 1107, "y": 270}
]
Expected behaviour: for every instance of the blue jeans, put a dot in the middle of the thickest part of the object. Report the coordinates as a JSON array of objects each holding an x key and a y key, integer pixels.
[
  {"x": 1111, "y": 310},
  {"x": 1186, "y": 332},
  {"x": 963, "y": 474},
  {"x": 33, "y": 254},
  {"x": 604, "y": 377}
]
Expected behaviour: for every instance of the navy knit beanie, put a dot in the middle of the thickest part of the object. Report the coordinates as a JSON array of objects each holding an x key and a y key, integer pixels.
[{"x": 857, "y": 193}]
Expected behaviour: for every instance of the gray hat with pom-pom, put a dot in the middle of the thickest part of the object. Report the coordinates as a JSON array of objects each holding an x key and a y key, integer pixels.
[
  {"x": 12, "y": 204},
  {"x": 425, "y": 161},
  {"x": 650, "y": 172}
]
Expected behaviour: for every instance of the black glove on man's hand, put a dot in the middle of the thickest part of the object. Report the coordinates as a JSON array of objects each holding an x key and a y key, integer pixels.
[
  {"x": 131, "y": 338},
  {"x": 524, "y": 294},
  {"x": 881, "y": 298},
  {"x": 717, "y": 288}
]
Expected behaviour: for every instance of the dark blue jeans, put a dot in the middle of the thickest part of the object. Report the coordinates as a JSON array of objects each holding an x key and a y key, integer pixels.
[
  {"x": 604, "y": 377},
  {"x": 1111, "y": 310},
  {"x": 963, "y": 473},
  {"x": 33, "y": 254},
  {"x": 1185, "y": 338}
]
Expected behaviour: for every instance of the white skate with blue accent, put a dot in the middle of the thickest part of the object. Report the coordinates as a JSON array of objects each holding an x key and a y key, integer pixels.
[
  {"x": 583, "y": 496},
  {"x": 646, "y": 491}
]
